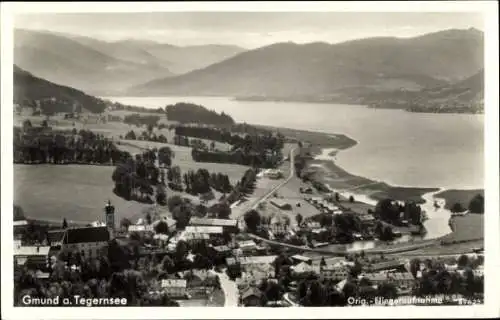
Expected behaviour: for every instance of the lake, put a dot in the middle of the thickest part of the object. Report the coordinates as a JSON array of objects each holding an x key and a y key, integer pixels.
[{"x": 395, "y": 146}]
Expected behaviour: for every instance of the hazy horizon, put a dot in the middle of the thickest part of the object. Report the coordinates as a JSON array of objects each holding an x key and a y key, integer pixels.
[{"x": 248, "y": 30}]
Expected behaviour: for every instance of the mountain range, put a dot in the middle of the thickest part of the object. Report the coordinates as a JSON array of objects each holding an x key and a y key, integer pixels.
[
  {"x": 436, "y": 72},
  {"x": 101, "y": 67},
  {"x": 325, "y": 70},
  {"x": 29, "y": 89}
]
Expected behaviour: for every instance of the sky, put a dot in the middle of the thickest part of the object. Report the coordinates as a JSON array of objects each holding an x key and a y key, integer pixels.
[{"x": 247, "y": 29}]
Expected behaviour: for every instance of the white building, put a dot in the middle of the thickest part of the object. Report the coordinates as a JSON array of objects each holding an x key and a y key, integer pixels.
[{"x": 174, "y": 287}]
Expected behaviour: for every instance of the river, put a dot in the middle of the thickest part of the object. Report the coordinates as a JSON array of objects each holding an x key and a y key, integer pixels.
[{"x": 398, "y": 147}]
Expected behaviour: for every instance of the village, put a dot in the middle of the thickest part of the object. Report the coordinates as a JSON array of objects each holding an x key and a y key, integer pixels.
[{"x": 272, "y": 236}]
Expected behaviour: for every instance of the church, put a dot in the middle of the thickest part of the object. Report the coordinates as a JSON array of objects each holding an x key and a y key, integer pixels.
[{"x": 90, "y": 241}]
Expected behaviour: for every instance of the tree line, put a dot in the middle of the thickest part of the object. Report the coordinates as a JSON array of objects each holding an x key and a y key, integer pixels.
[
  {"x": 391, "y": 212},
  {"x": 476, "y": 205},
  {"x": 192, "y": 113},
  {"x": 141, "y": 120},
  {"x": 146, "y": 136},
  {"x": 64, "y": 147}
]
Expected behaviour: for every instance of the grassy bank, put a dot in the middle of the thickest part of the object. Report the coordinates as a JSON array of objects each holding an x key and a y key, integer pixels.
[
  {"x": 74, "y": 192},
  {"x": 463, "y": 197},
  {"x": 337, "y": 178}
]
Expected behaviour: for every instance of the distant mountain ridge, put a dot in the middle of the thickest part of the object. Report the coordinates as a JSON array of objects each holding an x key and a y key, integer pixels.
[
  {"x": 329, "y": 70},
  {"x": 33, "y": 91},
  {"x": 105, "y": 68}
]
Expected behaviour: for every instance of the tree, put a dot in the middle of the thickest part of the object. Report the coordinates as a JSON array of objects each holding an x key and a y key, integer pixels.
[
  {"x": 173, "y": 202},
  {"x": 64, "y": 224},
  {"x": 18, "y": 213},
  {"x": 27, "y": 124},
  {"x": 161, "y": 195},
  {"x": 181, "y": 249},
  {"x": 161, "y": 227},
  {"x": 223, "y": 210},
  {"x": 476, "y": 205},
  {"x": 457, "y": 207},
  {"x": 167, "y": 264},
  {"x": 252, "y": 220},
  {"x": 125, "y": 223},
  {"x": 299, "y": 218},
  {"x": 463, "y": 261},
  {"x": 351, "y": 199},
  {"x": 387, "y": 290},
  {"x": 337, "y": 197}
]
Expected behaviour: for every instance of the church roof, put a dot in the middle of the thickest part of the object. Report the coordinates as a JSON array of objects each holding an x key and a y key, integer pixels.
[{"x": 86, "y": 234}]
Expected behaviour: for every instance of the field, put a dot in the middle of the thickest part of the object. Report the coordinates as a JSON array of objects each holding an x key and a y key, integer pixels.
[
  {"x": 466, "y": 228},
  {"x": 458, "y": 196},
  {"x": 75, "y": 192},
  {"x": 183, "y": 158}
]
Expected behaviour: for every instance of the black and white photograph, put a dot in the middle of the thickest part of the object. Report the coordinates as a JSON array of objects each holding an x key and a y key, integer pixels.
[{"x": 254, "y": 156}]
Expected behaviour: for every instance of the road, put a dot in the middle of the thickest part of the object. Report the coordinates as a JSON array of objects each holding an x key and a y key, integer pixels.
[
  {"x": 272, "y": 191},
  {"x": 230, "y": 290}
]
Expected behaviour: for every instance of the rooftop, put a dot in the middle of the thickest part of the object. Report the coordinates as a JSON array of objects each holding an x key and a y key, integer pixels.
[
  {"x": 204, "y": 229},
  {"x": 86, "y": 234},
  {"x": 301, "y": 258},
  {"x": 252, "y": 291},
  {"x": 247, "y": 243},
  {"x": 213, "y": 222},
  {"x": 19, "y": 223},
  {"x": 173, "y": 283},
  {"x": 31, "y": 251}
]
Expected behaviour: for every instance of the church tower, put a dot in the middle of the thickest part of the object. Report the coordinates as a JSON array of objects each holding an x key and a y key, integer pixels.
[{"x": 109, "y": 210}]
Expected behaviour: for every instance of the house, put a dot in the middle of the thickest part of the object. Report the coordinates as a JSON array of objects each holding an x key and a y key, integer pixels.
[
  {"x": 279, "y": 225},
  {"x": 55, "y": 237},
  {"x": 367, "y": 220},
  {"x": 221, "y": 251},
  {"x": 228, "y": 225},
  {"x": 19, "y": 228},
  {"x": 174, "y": 287},
  {"x": 299, "y": 258},
  {"x": 402, "y": 280},
  {"x": 251, "y": 297},
  {"x": 141, "y": 228},
  {"x": 33, "y": 257},
  {"x": 204, "y": 229},
  {"x": 193, "y": 238},
  {"x": 251, "y": 260},
  {"x": 247, "y": 246},
  {"x": 313, "y": 225},
  {"x": 335, "y": 272},
  {"x": 306, "y": 267},
  {"x": 272, "y": 173},
  {"x": 385, "y": 265},
  {"x": 280, "y": 204},
  {"x": 89, "y": 241},
  {"x": 319, "y": 234}
]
